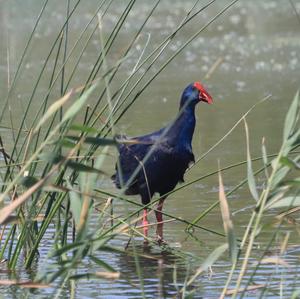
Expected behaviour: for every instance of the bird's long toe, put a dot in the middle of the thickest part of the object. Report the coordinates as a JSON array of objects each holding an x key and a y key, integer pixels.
[{"x": 145, "y": 223}]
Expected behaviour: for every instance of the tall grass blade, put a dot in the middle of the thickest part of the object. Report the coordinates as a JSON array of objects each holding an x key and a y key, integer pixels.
[
  {"x": 291, "y": 118},
  {"x": 209, "y": 261},
  {"x": 75, "y": 204},
  {"x": 77, "y": 106},
  {"x": 43, "y": 103},
  {"x": 53, "y": 109},
  {"x": 250, "y": 175},
  {"x": 227, "y": 222},
  {"x": 286, "y": 202},
  {"x": 93, "y": 140},
  {"x": 10, "y": 208},
  {"x": 22, "y": 60},
  {"x": 173, "y": 56},
  {"x": 102, "y": 264}
]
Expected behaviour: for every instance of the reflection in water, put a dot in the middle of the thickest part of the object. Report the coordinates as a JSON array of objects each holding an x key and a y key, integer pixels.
[{"x": 154, "y": 272}]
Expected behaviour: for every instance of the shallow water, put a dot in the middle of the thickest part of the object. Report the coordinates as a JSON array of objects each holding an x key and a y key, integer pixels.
[{"x": 257, "y": 44}]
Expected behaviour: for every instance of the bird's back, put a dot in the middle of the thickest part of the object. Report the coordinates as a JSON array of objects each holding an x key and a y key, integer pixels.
[{"x": 149, "y": 164}]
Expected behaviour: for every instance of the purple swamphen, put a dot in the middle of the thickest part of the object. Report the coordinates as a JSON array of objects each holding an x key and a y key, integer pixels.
[{"x": 156, "y": 162}]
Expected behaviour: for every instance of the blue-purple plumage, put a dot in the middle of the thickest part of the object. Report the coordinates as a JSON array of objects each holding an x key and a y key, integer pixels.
[{"x": 156, "y": 162}]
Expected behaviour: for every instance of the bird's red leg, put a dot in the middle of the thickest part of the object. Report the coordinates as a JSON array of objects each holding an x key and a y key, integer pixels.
[
  {"x": 158, "y": 214},
  {"x": 145, "y": 222}
]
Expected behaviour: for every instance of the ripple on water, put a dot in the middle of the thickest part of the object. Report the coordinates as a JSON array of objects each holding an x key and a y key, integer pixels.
[{"x": 258, "y": 42}]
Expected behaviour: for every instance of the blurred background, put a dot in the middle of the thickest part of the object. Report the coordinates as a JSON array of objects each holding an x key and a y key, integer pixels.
[{"x": 248, "y": 53}]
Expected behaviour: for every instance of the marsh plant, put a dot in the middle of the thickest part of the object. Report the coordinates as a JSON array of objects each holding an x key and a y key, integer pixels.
[{"x": 53, "y": 162}]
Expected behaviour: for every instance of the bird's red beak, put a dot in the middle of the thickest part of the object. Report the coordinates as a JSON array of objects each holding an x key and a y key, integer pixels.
[{"x": 203, "y": 94}]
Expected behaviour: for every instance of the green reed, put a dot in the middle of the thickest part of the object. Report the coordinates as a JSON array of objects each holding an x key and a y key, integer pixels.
[
  {"x": 53, "y": 167},
  {"x": 51, "y": 173}
]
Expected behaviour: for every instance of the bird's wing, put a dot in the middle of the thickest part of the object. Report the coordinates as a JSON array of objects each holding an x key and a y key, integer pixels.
[
  {"x": 131, "y": 153},
  {"x": 141, "y": 143}
]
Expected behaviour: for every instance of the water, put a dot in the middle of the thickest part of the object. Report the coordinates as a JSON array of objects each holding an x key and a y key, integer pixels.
[{"x": 257, "y": 44}]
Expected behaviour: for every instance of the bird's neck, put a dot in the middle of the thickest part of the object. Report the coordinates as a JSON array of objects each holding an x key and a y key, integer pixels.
[{"x": 182, "y": 129}]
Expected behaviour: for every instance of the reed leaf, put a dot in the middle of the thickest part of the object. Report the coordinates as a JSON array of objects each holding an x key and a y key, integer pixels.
[
  {"x": 291, "y": 118},
  {"x": 83, "y": 129},
  {"x": 75, "y": 203},
  {"x": 227, "y": 222},
  {"x": 285, "y": 202},
  {"x": 93, "y": 140},
  {"x": 10, "y": 208},
  {"x": 250, "y": 175},
  {"x": 209, "y": 261},
  {"x": 77, "y": 106},
  {"x": 52, "y": 110},
  {"x": 19, "y": 67},
  {"x": 102, "y": 264},
  {"x": 66, "y": 249},
  {"x": 77, "y": 166}
]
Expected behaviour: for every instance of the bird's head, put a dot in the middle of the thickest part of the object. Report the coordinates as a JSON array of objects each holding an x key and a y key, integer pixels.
[{"x": 195, "y": 93}]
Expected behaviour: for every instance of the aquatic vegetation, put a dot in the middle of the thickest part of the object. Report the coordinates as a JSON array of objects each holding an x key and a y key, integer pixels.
[{"x": 53, "y": 159}]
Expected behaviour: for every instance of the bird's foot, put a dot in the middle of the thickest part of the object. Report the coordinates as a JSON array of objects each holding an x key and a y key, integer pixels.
[
  {"x": 146, "y": 243},
  {"x": 160, "y": 241}
]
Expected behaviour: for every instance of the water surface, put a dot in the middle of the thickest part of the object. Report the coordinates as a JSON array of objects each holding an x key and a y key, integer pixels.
[{"x": 257, "y": 44}]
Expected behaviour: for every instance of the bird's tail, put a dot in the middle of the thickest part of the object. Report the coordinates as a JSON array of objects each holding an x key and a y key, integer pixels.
[{"x": 116, "y": 181}]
